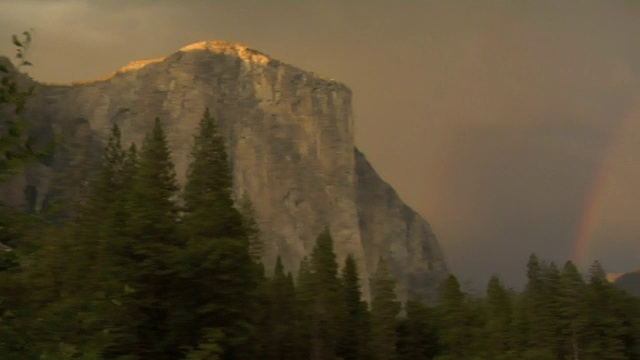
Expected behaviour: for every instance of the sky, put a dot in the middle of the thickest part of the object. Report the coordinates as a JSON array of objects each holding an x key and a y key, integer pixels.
[{"x": 513, "y": 127}]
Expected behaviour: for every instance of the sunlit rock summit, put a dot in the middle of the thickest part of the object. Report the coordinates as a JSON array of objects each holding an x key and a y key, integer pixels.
[{"x": 290, "y": 136}]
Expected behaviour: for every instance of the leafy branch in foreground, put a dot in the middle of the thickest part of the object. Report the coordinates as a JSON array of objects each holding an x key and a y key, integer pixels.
[{"x": 16, "y": 146}]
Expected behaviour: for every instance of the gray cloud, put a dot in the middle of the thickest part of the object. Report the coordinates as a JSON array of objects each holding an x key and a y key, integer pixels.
[{"x": 492, "y": 119}]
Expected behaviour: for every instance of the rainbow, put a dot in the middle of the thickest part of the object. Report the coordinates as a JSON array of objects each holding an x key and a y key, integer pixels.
[
  {"x": 589, "y": 218},
  {"x": 591, "y": 213}
]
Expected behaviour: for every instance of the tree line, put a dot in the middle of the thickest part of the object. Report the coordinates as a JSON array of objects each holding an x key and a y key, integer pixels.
[{"x": 144, "y": 271}]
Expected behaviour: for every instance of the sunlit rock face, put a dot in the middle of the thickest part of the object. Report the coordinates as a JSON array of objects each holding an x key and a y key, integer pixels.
[{"x": 290, "y": 139}]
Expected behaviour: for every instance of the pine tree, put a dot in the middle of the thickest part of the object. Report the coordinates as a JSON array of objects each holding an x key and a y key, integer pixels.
[
  {"x": 111, "y": 182},
  {"x": 354, "y": 328},
  {"x": 154, "y": 212},
  {"x": 120, "y": 213},
  {"x": 499, "y": 320},
  {"x": 147, "y": 256},
  {"x": 218, "y": 261},
  {"x": 28, "y": 291},
  {"x": 305, "y": 291},
  {"x": 417, "y": 336},
  {"x": 605, "y": 330},
  {"x": 102, "y": 216},
  {"x": 281, "y": 316},
  {"x": 539, "y": 300},
  {"x": 326, "y": 305},
  {"x": 384, "y": 312},
  {"x": 627, "y": 309},
  {"x": 571, "y": 311},
  {"x": 208, "y": 198},
  {"x": 91, "y": 229},
  {"x": 551, "y": 313},
  {"x": 80, "y": 270},
  {"x": 251, "y": 227},
  {"x": 456, "y": 333}
]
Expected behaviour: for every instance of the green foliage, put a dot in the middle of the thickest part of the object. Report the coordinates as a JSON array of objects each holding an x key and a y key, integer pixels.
[
  {"x": 10, "y": 92},
  {"x": 135, "y": 276},
  {"x": 22, "y": 44},
  {"x": 209, "y": 349},
  {"x": 142, "y": 247},
  {"x": 153, "y": 211},
  {"x": 78, "y": 297},
  {"x": 572, "y": 322},
  {"x": 605, "y": 330},
  {"x": 354, "y": 335},
  {"x": 219, "y": 262},
  {"x": 498, "y": 326},
  {"x": 325, "y": 304},
  {"x": 209, "y": 206},
  {"x": 13, "y": 225},
  {"x": 540, "y": 297},
  {"x": 280, "y": 316},
  {"x": 455, "y": 331},
  {"x": 384, "y": 311},
  {"x": 305, "y": 298},
  {"x": 251, "y": 227},
  {"x": 17, "y": 148},
  {"x": 417, "y": 333}
]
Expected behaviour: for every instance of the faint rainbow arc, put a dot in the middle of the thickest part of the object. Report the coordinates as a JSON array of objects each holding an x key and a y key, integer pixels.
[
  {"x": 593, "y": 206},
  {"x": 589, "y": 216}
]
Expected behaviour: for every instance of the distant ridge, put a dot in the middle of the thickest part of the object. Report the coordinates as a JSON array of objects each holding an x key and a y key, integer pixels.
[{"x": 629, "y": 282}]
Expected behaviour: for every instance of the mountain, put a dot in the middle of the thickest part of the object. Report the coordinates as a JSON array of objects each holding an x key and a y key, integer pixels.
[
  {"x": 629, "y": 282},
  {"x": 290, "y": 135}
]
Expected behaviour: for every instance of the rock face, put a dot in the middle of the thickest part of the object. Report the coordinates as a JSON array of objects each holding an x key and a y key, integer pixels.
[
  {"x": 290, "y": 137},
  {"x": 397, "y": 232}
]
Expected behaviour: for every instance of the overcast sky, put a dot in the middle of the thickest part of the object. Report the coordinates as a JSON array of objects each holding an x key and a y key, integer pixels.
[{"x": 495, "y": 120}]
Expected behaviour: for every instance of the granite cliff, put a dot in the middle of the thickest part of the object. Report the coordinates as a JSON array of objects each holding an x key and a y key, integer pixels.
[{"x": 290, "y": 136}]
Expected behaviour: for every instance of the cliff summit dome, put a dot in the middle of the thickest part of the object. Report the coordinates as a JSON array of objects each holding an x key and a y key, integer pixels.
[{"x": 229, "y": 48}]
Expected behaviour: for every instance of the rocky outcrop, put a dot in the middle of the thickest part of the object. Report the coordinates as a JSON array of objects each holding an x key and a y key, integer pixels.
[
  {"x": 291, "y": 142},
  {"x": 398, "y": 233}
]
